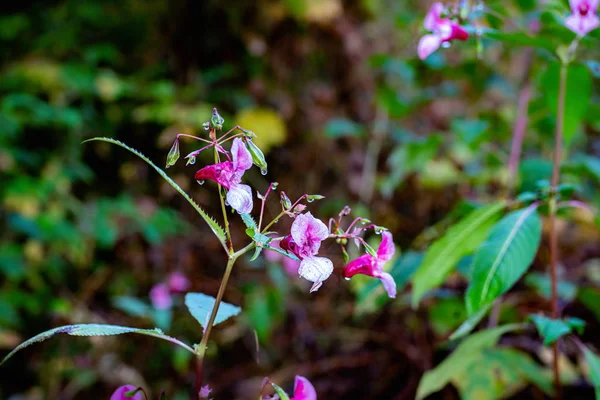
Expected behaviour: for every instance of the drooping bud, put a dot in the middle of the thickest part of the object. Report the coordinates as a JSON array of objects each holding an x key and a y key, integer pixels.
[
  {"x": 285, "y": 201},
  {"x": 258, "y": 158},
  {"x": 216, "y": 121},
  {"x": 299, "y": 209},
  {"x": 173, "y": 155},
  {"x": 312, "y": 197},
  {"x": 345, "y": 211}
]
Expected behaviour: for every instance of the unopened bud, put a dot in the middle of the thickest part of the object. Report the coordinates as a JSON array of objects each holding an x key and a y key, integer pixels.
[
  {"x": 299, "y": 209},
  {"x": 346, "y": 211},
  {"x": 258, "y": 158},
  {"x": 173, "y": 155},
  {"x": 216, "y": 121},
  {"x": 312, "y": 197},
  {"x": 285, "y": 201}
]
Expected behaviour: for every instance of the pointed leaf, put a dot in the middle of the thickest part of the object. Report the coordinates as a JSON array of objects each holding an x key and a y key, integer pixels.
[
  {"x": 201, "y": 305},
  {"x": 460, "y": 240},
  {"x": 593, "y": 362},
  {"x": 457, "y": 362},
  {"x": 94, "y": 330},
  {"x": 466, "y": 327},
  {"x": 553, "y": 329},
  {"x": 214, "y": 226},
  {"x": 504, "y": 257}
]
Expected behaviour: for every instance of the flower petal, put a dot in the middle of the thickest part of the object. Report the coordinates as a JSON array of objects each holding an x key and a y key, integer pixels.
[
  {"x": 222, "y": 173},
  {"x": 119, "y": 394},
  {"x": 362, "y": 265},
  {"x": 308, "y": 232},
  {"x": 582, "y": 25},
  {"x": 389, "y": 284},
  {"x": 434, "y": 16},
  {"x": 242, "y": 159},
  {"x": 315, "y": 269},
  {"x": 303, "y": 389},
  {"x": 386, "y": 247},
  {"x": 161, "y": 297},
  {"x": 428, "y": 45},
  {"x": 239, "y": 198},
  {"x": 178, "y": 282}
]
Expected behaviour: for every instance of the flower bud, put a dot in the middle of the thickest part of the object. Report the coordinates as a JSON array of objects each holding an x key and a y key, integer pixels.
[
  {"x": 216, "y": 121},
  {"x": 173, "y": 155},
  {"x": 285, "y": 201},
  {"x": 299, "y": 209},
  {"x": 312, "y": 197},
  {"x": 258, "y": 158}
]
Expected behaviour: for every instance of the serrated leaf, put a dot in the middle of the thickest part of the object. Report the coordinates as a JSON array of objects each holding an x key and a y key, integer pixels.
[
  {"x": 553, "y": 329},
  {"x": 460, "y": 359},
  {"x": 94, "y": 330},
  {"x": 257, "y": 251},
  {"x": 213, "y": 225},
  {"x": 249, "y": 221},
  {"x": 200, "y": 306},
  {"x": 504, "y": 257},
  {"x": 459, "y": 241}
]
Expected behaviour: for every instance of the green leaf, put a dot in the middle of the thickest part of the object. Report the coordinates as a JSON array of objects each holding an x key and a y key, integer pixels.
[
  {"x": 94, "y": 330},
  {"x": 466, "y": 327},
  {"x": 280, "y": 392},
  {"x": 249, "y": 221},
  {"x": 593, "y": 362},
  {"x": 577, "y": 96},
  {"x": 459, "y": 241},
  {"x": 567, "y": 291},
  {"x": 339, "y": 127},
  {"x": 457, "y": 362},
  {"x": 214, "y": 226},
  {"x": 504, "y": 257},
  {"x": 594, "y": 67},
  {"x": 553, "y": 329},
  {"x": 520, "y": 38},
  {"x": 201, "y": 305}
]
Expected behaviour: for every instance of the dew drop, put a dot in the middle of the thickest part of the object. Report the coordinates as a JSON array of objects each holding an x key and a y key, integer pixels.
[
  {"x": 263, "y": 171},
  {"x": 310, "y": 200},
  {"x": 200, "y": 182},
  {"x": 347, "y": 279},
  {"x": 446, "y": 45}
]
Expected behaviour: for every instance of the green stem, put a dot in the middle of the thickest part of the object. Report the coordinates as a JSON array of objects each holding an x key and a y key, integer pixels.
[
  {"x": 201, "y": 348},
  {"x": 553, "y": 202}
]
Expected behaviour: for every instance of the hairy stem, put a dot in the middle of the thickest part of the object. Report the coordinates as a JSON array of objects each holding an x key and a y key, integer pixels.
[
  {"x": 201, "y": 348},
  {"x": 553, "y": 206}
]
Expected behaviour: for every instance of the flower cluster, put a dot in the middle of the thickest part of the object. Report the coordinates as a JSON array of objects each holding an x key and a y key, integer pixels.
[{"x": 443, "y": 30}]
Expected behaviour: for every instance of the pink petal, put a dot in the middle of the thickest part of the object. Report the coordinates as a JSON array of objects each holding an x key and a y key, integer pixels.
[
  {"x": 434, "y": 16},
  {"x": 315, "y": 269},
  {"x": 222, "y": 173},
  {"x": 428, "y": 45},
  {"x": 582, "y": 25},
  {"x": 303, "y": 389},
  {"x": 119, "y": 394},
  {"x": 204, "y": 392},
  {"x": 386, "y": 247},
  {"x": 161, "y": 297},
  {"x": 178, "y": 282},
  {"x": 362, "y": 265},
  {"x": 389, "y": 284},
  {"x": 308, "y": 232},
  {"x": 239, "y": 198},
  {"x": 242, "y": 159},
  {"x": 592, "y": 5}
]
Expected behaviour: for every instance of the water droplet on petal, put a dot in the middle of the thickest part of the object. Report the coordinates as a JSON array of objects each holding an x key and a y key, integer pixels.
[
  {"x": 347, "y": 279},
  {"x": 191, "y": 161},
  {"x": 309, "y": 199},
  {"x": 263, "y": 171},
  {"x": 446, "y": 45},
  {"x": 200, "y": 182}
]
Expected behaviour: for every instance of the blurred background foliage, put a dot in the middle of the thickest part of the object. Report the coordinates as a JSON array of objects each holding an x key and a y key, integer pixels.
[{"x": 342, "y": 107}]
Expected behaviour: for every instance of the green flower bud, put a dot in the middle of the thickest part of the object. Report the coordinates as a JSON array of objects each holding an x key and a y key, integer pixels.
[
  {"x": 312, "y": 197},
  {"x": 173, "y": 155},
  {"x": 216, "y": 121},
  {"x": 258, "y": 158},
  {"x": 285, "y": 201}
]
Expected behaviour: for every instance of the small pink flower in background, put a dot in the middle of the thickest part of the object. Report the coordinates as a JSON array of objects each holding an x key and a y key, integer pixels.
[
  {"x": 205, "y": 392},
  {"x": 443, "y": 30},
  {"x": 303, "y": 389},
  {"x": 119, "y": 394},
  {"x": 290, "y": 265},
  {"x": 229, "y": 175},
  {"x": 178, "y": 282},
  {"x": 305, "y": 239},
  {"x": 161, "y": 296},
  {"x": 583, "y": 18},
  {"x": 373, "y": 266}
]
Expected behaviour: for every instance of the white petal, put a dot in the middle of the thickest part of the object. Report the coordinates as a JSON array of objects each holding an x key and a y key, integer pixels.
[
  {"x": 428, "y": 44},
  {"x": 315, "y": 269},
  {"x": 239, "y": 198}
]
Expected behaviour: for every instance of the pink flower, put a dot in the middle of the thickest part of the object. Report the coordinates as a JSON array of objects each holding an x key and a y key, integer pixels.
[
  {"x": 204, "y": 392},
  {"x": 303, "y": 389},
  {"x": 161, "y": 296},
  {"x": 229, "y": 175},
  {"x": 119, "y": 394},
  {"x": 178, "y": 282},
  {"x": 443, "y": 31},
  {"x": 583, "y": 18},
  {"x": 305, "y": 239},
  {"x": 373, "y": 266}
]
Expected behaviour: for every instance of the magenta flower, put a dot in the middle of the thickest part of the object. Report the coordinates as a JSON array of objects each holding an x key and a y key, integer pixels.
[
  {"x": 305, "y": 239},
  {"x": 373, "y": 266},
  {"x": 204, "y": 392},
  {"x": 119, "y": 394},
  {"x": 443, "y": 30},
  {"x": 229, "y": 175},
  {"x": 583, "y": 18},
  {"x": 303, "y": 389},
  {"x": 161, "y": 296},
  {"x": 178, "y": 282}
]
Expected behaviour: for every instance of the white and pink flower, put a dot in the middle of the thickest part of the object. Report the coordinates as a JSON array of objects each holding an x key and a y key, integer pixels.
[
  {"x": 305, "y": 239},
  {"x": 583, "y": 19},
  {"x": 229, "y": 175},
  {"x": 303, "y": 389},
  {"x": 442, "y": 30}
]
